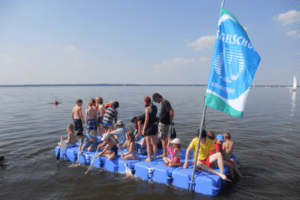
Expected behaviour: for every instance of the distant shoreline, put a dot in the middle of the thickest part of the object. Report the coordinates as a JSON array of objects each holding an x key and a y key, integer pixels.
[{"x": 126, "y": 85}]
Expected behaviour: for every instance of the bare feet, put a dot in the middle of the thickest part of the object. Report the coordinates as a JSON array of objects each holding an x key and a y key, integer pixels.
[
  {"x": 148, "y": 159},
  {"x": 161, "y": 156},
  {"x": 224, "y": 178}
]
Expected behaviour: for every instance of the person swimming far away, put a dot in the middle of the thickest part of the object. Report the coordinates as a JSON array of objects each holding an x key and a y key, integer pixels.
[{"x": 55, "y": 102}]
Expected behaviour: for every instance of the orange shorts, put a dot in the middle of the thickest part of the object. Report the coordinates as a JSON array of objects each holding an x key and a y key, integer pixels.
[{"x": 206, "y": 162}]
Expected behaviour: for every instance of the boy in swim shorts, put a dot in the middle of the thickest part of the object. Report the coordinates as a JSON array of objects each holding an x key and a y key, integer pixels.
[
  {"x": 110, "y": 115},
  {"x": 77, "y": 116},
  {"x": 90, "y": 116}
]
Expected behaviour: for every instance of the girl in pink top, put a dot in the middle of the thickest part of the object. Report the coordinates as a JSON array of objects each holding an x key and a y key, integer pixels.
[{"x": 174, "y": 153}]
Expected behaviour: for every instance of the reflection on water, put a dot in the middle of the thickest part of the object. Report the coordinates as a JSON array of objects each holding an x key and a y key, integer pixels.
[{"x": 293, "y": 103}]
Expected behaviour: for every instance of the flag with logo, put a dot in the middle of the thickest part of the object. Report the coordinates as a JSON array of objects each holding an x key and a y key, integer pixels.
[{"x": 233, "y": 67}]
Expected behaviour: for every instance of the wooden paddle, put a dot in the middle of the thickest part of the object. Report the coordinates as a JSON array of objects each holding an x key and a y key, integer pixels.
[
  {"x": 128, "y": 171},
  {"x": 92, "y": 164},
  {"x": 58, "y": 151}
]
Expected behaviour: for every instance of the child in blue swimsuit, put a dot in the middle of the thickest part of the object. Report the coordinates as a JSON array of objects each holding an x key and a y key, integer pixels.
[{"x": 88, "y": 141}]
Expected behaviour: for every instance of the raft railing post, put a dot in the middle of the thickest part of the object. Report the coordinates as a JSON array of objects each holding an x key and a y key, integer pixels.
[{"x": 195, "y": 160}]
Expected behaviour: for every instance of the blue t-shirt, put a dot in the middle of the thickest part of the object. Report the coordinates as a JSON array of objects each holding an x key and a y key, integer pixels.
[
  {"x": 88, "y": 137},
  {"x": 121, "y": 134}
]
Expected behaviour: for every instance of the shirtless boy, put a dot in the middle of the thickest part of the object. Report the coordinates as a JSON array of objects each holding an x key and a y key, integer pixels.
[
  {"x": 90, "y": 116},
  {"x": 71, "y": 140},
  {"x": 100, "y": 112},
  {"x": 77, "y": 116},
  {"x": 227, "y": 146}
]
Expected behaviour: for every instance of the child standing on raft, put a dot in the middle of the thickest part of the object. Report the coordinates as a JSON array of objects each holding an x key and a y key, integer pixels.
[
  {"x": 77, "y": 116},
  {"x": 109, "y": 147},
  {"x": 130, "y": 145},
  {"x": 100, "y": 112},
  {"x": 110, "y": 115},
  {"x": 174, "y": 153},
  {"x": 71, "y": 140},
  {"x": 90, "y": 116}
]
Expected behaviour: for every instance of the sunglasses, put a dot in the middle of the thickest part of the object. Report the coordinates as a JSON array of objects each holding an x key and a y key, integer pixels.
[{"x": 211, "y": 137}]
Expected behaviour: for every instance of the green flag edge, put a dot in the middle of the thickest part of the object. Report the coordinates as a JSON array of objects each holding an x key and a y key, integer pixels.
[{"x": 214, "y": 101}]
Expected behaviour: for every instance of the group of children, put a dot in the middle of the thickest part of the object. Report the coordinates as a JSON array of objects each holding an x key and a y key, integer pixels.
[
  {"x": 102, "y": 115},
  {"x": 213, "y": 152},
  {"x": 96, "y": 114}
]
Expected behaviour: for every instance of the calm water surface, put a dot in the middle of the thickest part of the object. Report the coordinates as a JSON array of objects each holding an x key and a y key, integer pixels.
[{"x": 266, "y": 143}]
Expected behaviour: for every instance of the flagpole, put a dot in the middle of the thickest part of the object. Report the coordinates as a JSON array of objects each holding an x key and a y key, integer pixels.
[
  {"x": 223, "y": 3},
  {"x": 199, "y": 137}
]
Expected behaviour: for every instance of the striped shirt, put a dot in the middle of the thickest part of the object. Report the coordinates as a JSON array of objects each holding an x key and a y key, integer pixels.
[{"x": 110, "y": 114}]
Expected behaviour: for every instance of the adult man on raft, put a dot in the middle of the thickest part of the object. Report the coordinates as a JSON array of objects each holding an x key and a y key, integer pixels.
[{"x": 166, "y": 116}]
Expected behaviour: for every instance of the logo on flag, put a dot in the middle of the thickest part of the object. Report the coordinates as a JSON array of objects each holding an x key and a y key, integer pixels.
[{"x": 233, "y": 67}]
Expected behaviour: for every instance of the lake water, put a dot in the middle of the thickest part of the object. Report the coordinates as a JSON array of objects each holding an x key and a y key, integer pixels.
[{"x": 266, "y": 143}]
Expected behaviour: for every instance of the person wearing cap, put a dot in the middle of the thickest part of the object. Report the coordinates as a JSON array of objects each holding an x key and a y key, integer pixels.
[
  {"x": 110, "y": 115},
  {"x": 150, "y": 128},
  {"x": 204, "y": 161},
  {"x": 120, "y": 132},
  {"x": 88, "y": 141},
  {"x": 166, "y": 116},
  {"x": 134, "y": 121},
  {"x": 109, "y": 147},
  {"x": 174, "y": 153}
]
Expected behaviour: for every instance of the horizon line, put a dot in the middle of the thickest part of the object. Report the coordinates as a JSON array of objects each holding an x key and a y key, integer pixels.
[{"x": 107, "y": 84}]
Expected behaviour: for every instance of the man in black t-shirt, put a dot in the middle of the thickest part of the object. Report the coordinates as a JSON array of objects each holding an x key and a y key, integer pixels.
[{"x": 165, "y": 119}]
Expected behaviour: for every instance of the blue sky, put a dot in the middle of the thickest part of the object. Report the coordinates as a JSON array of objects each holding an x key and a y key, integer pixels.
[{"x": 139, "y": 41}]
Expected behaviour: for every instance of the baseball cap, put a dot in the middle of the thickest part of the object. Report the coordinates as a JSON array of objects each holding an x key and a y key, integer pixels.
[
  {"x": 176, "y": 141},
  {"x": 132, "y": 118},
  {"x": 155, "y": 96},
  {"x": 116, "y": 104},
  {"x": 120, "y": 123},
  {"x": 106, "y": 136},
  {"x": 220, "y": 138}
]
